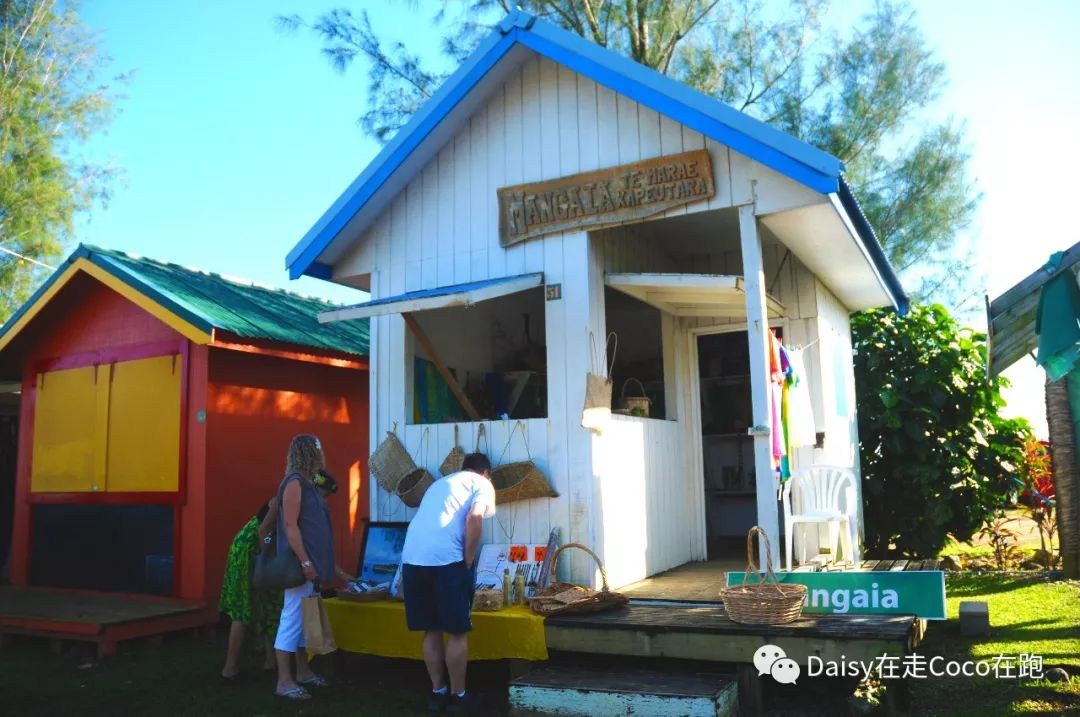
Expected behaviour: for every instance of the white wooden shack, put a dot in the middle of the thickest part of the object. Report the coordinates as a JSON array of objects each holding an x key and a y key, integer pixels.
[{"x": 779, "y": 242}]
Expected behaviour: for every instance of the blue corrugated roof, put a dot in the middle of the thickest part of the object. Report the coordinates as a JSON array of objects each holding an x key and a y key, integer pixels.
[{"x": 785, "y": 154}]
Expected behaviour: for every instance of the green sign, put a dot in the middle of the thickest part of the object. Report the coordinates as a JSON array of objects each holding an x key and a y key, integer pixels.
[{"x": 916, "y": 592}]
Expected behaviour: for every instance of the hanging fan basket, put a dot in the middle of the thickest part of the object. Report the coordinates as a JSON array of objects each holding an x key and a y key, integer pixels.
[
  {"x": 390, "y": 463},
  {"x": 567, "y": 598},
  {"x": 412, "y": 487},
  {"x": 521, "y": 480},
  {"x": 454, "y": 460},
  {"x": 764, "y": 602}
]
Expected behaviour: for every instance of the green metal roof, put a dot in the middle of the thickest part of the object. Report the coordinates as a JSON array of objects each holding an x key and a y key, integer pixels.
[{"x": 212, "y": 301}]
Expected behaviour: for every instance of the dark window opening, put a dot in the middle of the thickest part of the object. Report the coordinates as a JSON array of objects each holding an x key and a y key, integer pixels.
[{"x": 113, "y": 548}]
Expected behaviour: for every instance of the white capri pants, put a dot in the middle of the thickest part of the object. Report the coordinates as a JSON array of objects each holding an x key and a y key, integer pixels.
[{"x": 290, "y": 633}]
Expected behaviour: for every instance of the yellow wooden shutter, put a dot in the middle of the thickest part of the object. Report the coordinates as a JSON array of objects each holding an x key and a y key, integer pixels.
[
  {"x": 70, "y": 413},
  {"x": 144, "y": 425}
]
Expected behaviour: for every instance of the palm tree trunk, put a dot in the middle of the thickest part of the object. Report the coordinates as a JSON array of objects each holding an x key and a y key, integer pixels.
[{"x": 1059, "y": 418}]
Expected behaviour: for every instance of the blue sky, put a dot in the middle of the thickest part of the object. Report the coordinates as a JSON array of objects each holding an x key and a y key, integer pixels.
[{"x": 234, "y": 137}]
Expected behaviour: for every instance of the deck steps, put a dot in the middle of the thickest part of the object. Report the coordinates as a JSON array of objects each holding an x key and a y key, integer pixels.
[{"x": 573, "y": 691}]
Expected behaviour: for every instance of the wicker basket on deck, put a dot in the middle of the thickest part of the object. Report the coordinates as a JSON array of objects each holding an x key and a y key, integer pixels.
[
  {"x": 563, "y": 598},
  {"x": 763, "y": 602}
]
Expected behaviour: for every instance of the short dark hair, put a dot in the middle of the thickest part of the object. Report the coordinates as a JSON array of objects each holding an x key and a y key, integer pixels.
[{"x": 476, "y": 462}]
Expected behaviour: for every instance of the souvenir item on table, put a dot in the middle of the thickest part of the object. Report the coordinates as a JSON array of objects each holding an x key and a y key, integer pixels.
[
  {"x": 762, "y": 602},
  {"x": 362, "y": 591},
  {"x": 560, "y": 598},
  {"x": 380, "y": 552},
  {"x": 517, "y": 558},
  {"x": 487, "y": 596}
]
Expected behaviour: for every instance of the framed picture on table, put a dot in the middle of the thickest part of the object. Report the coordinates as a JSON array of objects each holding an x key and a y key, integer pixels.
[{"x": 380, "y": 552}]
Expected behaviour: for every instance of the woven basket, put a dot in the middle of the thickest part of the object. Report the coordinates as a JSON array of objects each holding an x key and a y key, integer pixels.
[
  {"x": 488, "y": 599},
  {"x": 412, "y": 487},
  {"x": 520, "y": 480},
  {"x": 563, "y": 598},
  {"x": 764, "y": 602},
  {"x": 636, "y": 405},
  {"x": 454, "y": 459},
  {"x": 390, "y": 463}
]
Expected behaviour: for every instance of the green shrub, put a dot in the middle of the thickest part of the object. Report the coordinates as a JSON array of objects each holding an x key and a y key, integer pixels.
[{"x": 936, "y": 454}]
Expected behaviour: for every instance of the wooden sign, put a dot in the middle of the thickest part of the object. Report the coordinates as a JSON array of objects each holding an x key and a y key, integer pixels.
[{"x": 616, "y": 194}]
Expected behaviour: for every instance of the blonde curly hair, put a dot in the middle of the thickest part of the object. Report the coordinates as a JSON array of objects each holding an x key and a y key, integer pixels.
[{"x": 305, "y": 456}]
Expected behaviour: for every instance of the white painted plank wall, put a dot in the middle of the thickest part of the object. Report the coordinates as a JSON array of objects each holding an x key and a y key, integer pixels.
[{"x": 544, "y": 122}]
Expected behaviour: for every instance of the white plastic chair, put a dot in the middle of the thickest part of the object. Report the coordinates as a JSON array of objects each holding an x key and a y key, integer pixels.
[{"x": 822, "y": 494}]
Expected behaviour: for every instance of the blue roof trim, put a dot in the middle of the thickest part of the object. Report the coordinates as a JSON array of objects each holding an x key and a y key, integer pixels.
[
  {"x": 873, "y": 247},
  {"x": 441, "y": 291},
  {"x": 796, "y": 159},
  {"x": 408, "y": 138}
]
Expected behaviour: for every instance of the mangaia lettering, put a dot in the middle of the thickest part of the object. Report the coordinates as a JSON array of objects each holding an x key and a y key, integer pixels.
[
  {"x": 841, "y": 600},
  {"x": 613, "y": 194}
]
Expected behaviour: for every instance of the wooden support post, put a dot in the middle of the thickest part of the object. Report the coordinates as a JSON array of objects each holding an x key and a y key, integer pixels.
[
  {"x": 757, "y": 329},
  {"x": 455, "y": 388}
]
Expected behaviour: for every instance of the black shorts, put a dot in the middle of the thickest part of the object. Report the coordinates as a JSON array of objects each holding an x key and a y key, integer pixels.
[{"x": 438, "y": 597}]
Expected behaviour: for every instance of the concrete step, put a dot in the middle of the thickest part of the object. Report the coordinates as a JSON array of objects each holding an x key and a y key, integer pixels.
[{"x": 573, "y": 691}]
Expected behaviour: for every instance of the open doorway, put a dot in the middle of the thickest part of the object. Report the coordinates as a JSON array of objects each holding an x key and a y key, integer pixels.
[{"x": 727, "y": 447}]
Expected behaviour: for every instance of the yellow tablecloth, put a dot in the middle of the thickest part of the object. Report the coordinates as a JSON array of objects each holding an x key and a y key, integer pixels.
[{"x": 378, "y": 628}]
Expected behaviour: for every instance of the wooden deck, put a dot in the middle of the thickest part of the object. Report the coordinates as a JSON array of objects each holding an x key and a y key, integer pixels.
[
  {"x": 701, "y": 581},
  {"x": 100, "y": 618}
]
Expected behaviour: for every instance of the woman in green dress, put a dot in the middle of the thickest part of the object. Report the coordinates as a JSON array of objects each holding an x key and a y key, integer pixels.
[{"x": 257, "y": 610}]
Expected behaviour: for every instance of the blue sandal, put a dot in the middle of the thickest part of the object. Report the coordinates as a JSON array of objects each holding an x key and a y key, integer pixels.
[
  {"x": 314, "y": 681},
  {"x": 296, "y": 693}
]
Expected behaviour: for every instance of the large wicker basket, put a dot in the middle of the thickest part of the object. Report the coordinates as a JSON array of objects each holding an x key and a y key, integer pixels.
[
  {"x": 412, "y": 487},
  {"x": 520, "y": 480},
  {"x": 562, "y": 598},
  {"x": 390, "y": 463},
  {"x": 764, "y": 602}
]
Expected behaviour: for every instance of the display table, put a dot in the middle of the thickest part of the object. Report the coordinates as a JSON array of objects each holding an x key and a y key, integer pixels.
[{"x": 378, "y": 628}]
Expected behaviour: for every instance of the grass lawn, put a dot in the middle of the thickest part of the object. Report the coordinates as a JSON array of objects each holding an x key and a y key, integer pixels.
[
  {"x": 181, "y": 678},
  {"x": 1027, "y": 615}
]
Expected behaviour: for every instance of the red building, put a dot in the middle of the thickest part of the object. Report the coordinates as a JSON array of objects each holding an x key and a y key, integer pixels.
[{"x": 157, "y": 404}]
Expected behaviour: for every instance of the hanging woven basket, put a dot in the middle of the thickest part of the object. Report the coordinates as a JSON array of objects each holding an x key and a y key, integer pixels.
[
  {"x": 520, "y": 480},
  {"x": 412, "y": 487},
  {"x": 455, "y": 459},
  {"x": 763, "y": 602},
  {"x": 390, "y": 463},
  {"x": 567, "y": 598}
]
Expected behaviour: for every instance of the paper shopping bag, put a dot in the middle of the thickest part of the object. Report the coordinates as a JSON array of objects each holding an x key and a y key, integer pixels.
[{"x": 318, "y": 635}]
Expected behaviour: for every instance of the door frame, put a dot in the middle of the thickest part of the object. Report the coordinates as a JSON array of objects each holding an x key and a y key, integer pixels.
[{"x": 693, "y": 401}]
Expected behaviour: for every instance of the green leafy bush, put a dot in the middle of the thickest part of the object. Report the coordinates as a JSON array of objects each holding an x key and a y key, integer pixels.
[{"x": 936, "y": 454}]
